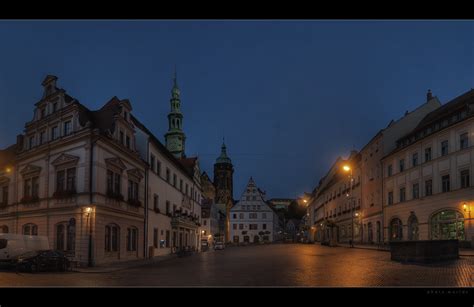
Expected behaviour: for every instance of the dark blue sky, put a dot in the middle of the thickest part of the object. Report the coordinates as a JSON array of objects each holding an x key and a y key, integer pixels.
[{"x": 289, "y": 96}]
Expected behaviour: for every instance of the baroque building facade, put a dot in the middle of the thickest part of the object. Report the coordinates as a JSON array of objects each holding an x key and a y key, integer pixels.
[{"x": 88, "y": 179}]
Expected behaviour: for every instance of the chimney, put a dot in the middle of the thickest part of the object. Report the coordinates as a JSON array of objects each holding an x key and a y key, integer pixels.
[{"x": 429, "y": 96}]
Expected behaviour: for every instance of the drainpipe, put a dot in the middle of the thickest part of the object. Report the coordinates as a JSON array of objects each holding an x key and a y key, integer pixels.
[
  {"x": 89, "y": 218},
  {"x": 145, "y": 225}
]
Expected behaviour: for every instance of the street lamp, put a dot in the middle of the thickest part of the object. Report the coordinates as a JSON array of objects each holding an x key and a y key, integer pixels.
[
  {"x": 88, "y": 211},
  {"x": 347, "y": 168}
]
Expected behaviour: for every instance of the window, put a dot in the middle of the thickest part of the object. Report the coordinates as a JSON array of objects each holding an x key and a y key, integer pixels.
[
  {"x": 402, "y": 165},
  {"x": 155, "y": 237},
  {"x": 463, "y": 140},
  {"x": 252, "y": 215},
  {"x": 158, "y": 167},
  {"x": 427, "y": 154},
  {"x": 264, "y": 215},
  {"x": 264, "y": 226},
  {"x": 132, "y": 239},
  {"x": 253, "y": 226},
  {"x": 121, "y": 137},
  {"x": 155, "y": 203},
  {"x": 55, "y": 107},
  {"x": 186, "y": 189},
  {"x": 43, "y": 112},
  {"x": 174, "y": 208},
  {"x": 4, "y": 195},
  {"x": 234, "y": 216},
  {"x": 415, "y": 159},
  {"x": 241, "y": 226},
  {"x": 152, "y": 162},
  {"x": 31, "y": 142},
  {"x": 71, "y": 179},
  {"x": 204, "y": 222},
  {"x": 389, "y": 170},
  {"x": 175, "y": 180},
  {"x": 181, "y": 185},
  {"x": 30, "y": 229},
  {"x": 35, "y": 187},
  {"x": 428, "y": 187},
  {"x": 132, "y": 190},
  {"x": 241, "y": 216},
  {"x": 416, "y": 191},
  {"x": 27, "y": 188},
  {"x": 167, "y": 175},
  {"x": 465, "y": 179},
  {"x": 112, "y": 232},
  {"x": 42, "y": 137},
  {"x": 125, "y": 115},
  {"x": 447, "y": 225},
  {"x": 54, "y": 133},
  {"x": 67, "y": 127},
  {"x": 168, "y": 207},
  {"x": 444, "y": 148},
  {"x": 113, "y": 183},
  {"x": 445, "y": 183},
  {"x": 402, "y": 194},
  {"x": 234, "y": 226},
  {"x": 127, "y": 141},
  {"x": 60, "y": 180}
]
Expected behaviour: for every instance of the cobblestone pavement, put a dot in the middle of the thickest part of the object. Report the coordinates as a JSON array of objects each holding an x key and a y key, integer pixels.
[{"x": 268, "y": 265}]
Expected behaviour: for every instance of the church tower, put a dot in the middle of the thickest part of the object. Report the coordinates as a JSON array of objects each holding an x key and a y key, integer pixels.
[
  {"x": 175, "y": 137},
  {"x": 223, "y": 172}
]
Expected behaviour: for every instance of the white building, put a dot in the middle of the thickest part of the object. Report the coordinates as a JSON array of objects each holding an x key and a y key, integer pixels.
[
  {"x": 428, "y": 193},
  {"x": 251, "y": 219}
]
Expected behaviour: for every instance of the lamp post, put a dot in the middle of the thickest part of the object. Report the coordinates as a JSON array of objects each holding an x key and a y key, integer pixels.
[
  {"x": 88, "y": 211},
  {"x": 348, "y": 169}
]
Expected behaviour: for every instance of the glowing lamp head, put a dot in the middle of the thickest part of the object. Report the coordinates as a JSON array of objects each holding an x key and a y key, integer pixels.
[
  {"x": 346, "y": 168},
  {"x": 464, "y": 206},
  {"x": 88, "y": 210},
  {"x": 357, "y": 214},
  {"x": 8, "y": 170}
]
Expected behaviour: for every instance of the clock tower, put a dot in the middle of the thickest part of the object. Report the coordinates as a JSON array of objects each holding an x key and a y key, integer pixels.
[
  {"x": 175, "y": 136},
  {"x": 223, "y": 182}
]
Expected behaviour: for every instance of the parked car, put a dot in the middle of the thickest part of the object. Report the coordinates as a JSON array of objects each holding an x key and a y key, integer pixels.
[
  {"x": 43, "y": 260},
  {"x": 219, "y": 246}
]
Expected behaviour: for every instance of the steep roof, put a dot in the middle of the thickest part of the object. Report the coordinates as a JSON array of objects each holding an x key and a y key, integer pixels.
[
  {"x": 160, "y": 146},
  {"x": 189, "y": 164}
]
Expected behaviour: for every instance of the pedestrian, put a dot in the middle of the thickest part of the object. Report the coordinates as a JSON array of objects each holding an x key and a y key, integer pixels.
[{"x": 351, "y": 243}]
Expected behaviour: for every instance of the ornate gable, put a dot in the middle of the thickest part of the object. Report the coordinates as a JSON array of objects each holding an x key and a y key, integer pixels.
[
  {"x": 65, "y": 160},
  {"x": 30, "y": 170},
  {"x": 115, "y": 163}
]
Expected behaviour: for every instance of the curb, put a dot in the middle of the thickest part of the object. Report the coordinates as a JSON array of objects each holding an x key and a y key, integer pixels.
[{"x": 134, "y": 265}]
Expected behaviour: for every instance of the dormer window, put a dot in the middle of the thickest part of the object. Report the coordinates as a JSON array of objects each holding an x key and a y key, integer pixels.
[
  {"x": 121, "y": 137},
  {"x": 67, "y": 127},
  {"x": 31, "y": 142},
  {"x": 55, "y": 107},
  {"x": 43, "y": 113},
  {"x": 125, "y": 115}
]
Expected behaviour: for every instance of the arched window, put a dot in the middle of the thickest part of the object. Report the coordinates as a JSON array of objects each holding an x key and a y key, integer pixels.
[
  {"x": 412, "y": 227},
  {"x": 396, "y": 230},
  {"x": 4, "y": 229},
  {"x": 132, "y": 239},
  {"x": 30, "y": 229},
  {"x": 447, "y": 225},
  {"x": 112, "y": 237}
]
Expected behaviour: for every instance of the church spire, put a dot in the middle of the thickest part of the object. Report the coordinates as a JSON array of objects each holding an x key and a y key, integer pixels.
[
  {"x": 223, "y": 158},
  {"x": 175, "y": 136}
]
